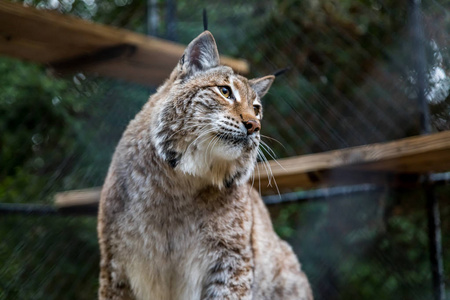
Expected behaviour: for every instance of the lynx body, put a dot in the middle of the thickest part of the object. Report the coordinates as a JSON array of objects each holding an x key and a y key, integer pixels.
[{"x": 177, "y": 218}]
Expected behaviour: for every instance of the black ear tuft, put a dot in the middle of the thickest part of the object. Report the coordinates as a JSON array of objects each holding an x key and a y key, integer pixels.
[
  {"x": 281, "y": 71},
  {"x": 205, "y": 20},
  {"x": 201, "y": 54}
]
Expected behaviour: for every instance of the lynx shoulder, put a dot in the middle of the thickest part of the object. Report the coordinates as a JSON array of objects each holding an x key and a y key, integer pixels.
[{"x": 177, "y": 217}]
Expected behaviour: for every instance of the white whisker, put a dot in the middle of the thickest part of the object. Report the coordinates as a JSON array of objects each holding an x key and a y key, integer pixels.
[
  {"x": 259, "y": 178},
  {"x": 267, "y": 148},
  {"x": 185, "y": 128},
  {"x": 274, "y": 180},
  {"x": 196, "y": 118},
  {"x": 206, "y": 151},
  {"x": 267, "y": 166},
  {"x": 253, "y": 179},
  {"x": 261, "y": 155},
  {"x": 202, "y": 134},
  {"x": 271, "y": 138}
]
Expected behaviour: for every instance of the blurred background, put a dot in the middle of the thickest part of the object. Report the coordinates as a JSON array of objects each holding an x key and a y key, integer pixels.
[{"x": 352, "y": 81}]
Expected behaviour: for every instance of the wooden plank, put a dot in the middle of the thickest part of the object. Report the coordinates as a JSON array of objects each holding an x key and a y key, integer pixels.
[
  {"x": 373, "y": 163},
  {"x": 50, "y": 38},
  {"x": 405, "y": 155},
  {"x": 418, "y": 154},
  {"x": 78, "y": 197}
]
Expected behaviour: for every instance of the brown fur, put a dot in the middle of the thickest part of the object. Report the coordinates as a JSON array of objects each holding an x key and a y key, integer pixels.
[{"x": 177, "y": 218}]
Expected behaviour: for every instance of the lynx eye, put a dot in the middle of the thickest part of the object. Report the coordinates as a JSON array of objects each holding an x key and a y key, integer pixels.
[
  {"x": 225, "y": 91},
  {"x": 257, "y": 109}
]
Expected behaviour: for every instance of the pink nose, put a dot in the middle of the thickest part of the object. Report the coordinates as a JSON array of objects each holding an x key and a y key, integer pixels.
[{"x": 252, "y": 126}]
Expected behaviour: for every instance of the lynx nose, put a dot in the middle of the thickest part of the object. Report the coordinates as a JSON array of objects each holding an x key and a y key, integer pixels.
[{"x": 252, "y": 126}]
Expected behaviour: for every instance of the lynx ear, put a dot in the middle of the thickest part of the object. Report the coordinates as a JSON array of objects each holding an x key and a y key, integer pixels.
[
  {"x": 201, "y": 54},
  {"x": 261, "y": 85}
]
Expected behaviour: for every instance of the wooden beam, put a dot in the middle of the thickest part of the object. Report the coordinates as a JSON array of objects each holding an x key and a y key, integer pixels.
[
  {"x": 375, "y": 163},
  {"x": 78, "y": 197},
  {"x": 413, "y": 155},
  {"x": 60, "y": 40}
]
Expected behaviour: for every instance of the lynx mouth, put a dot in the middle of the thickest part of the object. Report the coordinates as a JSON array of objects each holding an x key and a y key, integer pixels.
[{"x": 232, "y": 138}]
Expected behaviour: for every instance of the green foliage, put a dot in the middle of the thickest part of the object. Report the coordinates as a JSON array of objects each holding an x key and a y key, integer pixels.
[
  {"x": 48, "y": 258},
  {"x": 57, "y": 134},
  {"x": 36, "y": 111}
]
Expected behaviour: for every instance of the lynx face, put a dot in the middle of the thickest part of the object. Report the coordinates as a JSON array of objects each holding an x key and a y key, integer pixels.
[{"x": 210, "y": 124}]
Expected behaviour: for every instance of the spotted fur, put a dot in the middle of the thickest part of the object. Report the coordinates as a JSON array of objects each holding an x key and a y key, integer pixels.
[{"x": 177, "y": 218}]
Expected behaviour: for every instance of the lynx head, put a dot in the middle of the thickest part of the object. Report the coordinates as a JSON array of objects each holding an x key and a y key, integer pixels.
[{"x": 209, "y": 118}]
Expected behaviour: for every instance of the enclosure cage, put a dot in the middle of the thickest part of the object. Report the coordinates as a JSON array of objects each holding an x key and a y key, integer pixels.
[{"x": 355, "y": 132}]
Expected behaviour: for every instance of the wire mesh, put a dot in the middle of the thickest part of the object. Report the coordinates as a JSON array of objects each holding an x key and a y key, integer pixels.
[{"x": 351, "y": 83}]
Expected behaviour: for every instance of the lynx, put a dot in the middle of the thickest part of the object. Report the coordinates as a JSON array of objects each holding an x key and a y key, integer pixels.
[{"x": 178, "y": 219}]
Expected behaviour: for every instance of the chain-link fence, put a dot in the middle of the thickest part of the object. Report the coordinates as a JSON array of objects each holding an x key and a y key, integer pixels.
[{"x": 352, "y": 81}]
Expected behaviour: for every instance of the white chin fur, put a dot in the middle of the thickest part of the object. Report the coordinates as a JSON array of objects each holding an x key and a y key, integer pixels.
[
  {"x": 226, "y": 152},
  {"x": 212, "y": 160},
  {"x": 207, "y": 154}
]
